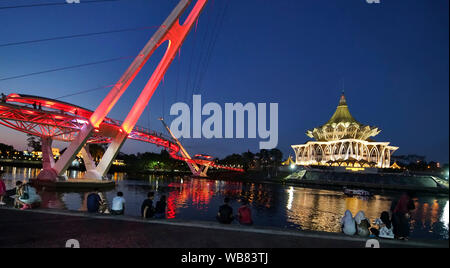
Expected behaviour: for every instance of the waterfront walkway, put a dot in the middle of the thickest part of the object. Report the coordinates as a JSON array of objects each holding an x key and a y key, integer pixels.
[{"x": 51, "y": 228}]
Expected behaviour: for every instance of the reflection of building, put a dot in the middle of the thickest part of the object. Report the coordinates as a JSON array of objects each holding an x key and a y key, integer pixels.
[{"x": 343, "y": 141}]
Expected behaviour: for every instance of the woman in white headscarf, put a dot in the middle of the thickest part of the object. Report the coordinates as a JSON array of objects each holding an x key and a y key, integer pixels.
[
  {"x": 348, "y": 224},
  {"x": 363, "y": 224}
]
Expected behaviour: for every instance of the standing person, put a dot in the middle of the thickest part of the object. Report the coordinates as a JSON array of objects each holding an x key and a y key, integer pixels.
[
  {"x": 225, "y": 214},
  {"x": 245, "y": 214},
  {"x": 362, "y": 224},
  {"x": 147, "y": 210},
  {"x": 160, "y": 208},
  {"x": 2, "y": 190},
  {"x": 348, "y": 224},
  {"x": 118, "y": 205},
  {"x": 93, "y": 202},
  {"x": 401, "y": 216}
]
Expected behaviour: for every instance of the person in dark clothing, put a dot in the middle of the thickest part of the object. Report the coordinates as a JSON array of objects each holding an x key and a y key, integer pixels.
[
  {"x": 225, "y": 214},
  {"x": 160, "y": 208},
  {"x": 401, "y": 216},
  {"x": 147, "y": 210},
  {"x": 245, "y": 213},
  {"x": 93, "y": 202}
]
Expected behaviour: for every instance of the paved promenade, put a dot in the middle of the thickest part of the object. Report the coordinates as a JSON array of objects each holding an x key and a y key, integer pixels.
[{"x": 50, "y": 228}]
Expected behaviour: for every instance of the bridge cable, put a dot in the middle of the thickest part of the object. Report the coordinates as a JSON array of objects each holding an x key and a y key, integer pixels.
[
  {"x": 205, "y": 39},
  {"x": 212, "y": 41},
  {"x": 75, "y": 36},
  {"x": 84, "y": 91},
  {"x": 56, "y": 4},
  {"x": 203, "y": 50},
  {"x": 210, "y": 53},
  {"x": 67, "y": 68},
  {"x": 190, "y": 64}
]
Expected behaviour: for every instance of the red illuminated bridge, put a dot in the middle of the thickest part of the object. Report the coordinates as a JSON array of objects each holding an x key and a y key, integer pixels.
[
  {"x": 56, "y": 120},
  {"x": 61, "y": 121}
]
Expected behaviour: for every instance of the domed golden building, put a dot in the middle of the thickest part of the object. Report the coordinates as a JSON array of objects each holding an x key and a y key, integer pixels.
[{"x": 343, "y": 141}]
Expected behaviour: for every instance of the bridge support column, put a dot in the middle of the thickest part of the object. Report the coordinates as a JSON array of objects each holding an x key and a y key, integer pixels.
[
  {"x": 111, "y": 153},
  {"x": 74, "y": 148},
  {"x": 91, "y": 169},
  {"x": 48, "y": 172}
]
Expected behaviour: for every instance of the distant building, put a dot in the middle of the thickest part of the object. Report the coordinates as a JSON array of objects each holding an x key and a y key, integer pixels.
[
  {"x": 344, "y": 142},
  {"x": 56, "y": 152},
  {"x": 38, "y": 154},
  {"x": 408, "y": 159},
  {"x": 118, "y": 162}
]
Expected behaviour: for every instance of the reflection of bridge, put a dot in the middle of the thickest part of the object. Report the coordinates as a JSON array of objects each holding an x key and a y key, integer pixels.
[{"x": 56, "y": 120}]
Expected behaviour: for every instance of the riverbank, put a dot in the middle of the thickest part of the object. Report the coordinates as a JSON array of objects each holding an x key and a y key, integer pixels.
[
  {"x": 374, "y": 182},
  {"x": 52, "y": 228}
]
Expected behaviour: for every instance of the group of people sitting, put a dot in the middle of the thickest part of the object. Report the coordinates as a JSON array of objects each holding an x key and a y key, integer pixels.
[
  {"x": 158, "y": 211},
  {"x": 25, "y": 196},
  {"x": 226, "y": 216},
  {"x": 97, "y": 203},
  {"x": 360, "y": 225},
  {"x": 393, "y": 225}
]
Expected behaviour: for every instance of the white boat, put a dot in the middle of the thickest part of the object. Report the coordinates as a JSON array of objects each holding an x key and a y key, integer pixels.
[{"x": 359, "y": 192}]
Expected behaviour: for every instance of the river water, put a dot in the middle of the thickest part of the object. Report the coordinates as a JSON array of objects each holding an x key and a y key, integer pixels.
[{"x": 273, "y": 205}]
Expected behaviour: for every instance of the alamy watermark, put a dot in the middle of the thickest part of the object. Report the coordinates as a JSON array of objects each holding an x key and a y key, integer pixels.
[{"x": 228, "y": 124}]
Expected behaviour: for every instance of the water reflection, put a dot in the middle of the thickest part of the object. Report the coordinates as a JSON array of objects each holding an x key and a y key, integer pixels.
[{"x": 272, "y": 204}]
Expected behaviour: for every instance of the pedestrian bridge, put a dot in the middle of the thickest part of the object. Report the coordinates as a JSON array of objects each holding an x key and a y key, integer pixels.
[
  {"x": 56, "y": 120},
  {"x": 61, "y": 121}
]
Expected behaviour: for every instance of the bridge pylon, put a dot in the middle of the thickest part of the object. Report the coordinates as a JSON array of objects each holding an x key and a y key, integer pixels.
[
  {"x": 198, "y": 170},
  {"x": 171, "y": 32}
]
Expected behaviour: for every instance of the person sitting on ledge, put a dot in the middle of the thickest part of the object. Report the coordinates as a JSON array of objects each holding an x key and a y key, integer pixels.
[
  {"x": 348, "y": 224},
  {"x": 225, "y": 215},
  {"x": 103, "y": 203},
  {"x": 2, "y": 190},
  {"x": 385, "y": 227},
  {"x": 362, "y": 224},
  {"x": 147, "y": 210},
  {"x": 93, "y": 202},
  {"x": 27, "y": 196},
  {"x": 160, "y": 208},
  {"x": 245, "y": 214},
  {"x": 118, "y": 205}
]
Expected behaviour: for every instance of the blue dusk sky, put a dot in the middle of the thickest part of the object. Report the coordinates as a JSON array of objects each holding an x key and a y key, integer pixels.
[{"x": 390, "y": 58}]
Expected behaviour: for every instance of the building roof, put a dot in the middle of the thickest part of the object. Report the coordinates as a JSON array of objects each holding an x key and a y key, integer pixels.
[
  {"x": 342, "y": 114},
  {"x": 342, "y": 125}
]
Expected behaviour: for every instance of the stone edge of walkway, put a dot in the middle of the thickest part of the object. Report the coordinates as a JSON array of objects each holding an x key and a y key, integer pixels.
[{"x": 238, "y": 228}]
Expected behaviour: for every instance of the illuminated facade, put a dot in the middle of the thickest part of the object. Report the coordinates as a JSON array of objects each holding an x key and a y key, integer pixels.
[{"x": 344, "y": 142}]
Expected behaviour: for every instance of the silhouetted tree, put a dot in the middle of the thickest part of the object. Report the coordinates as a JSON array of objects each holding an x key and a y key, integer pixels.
[
  {"x": 97, "y": 151},
  {"x": 34, "y": 143}
]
